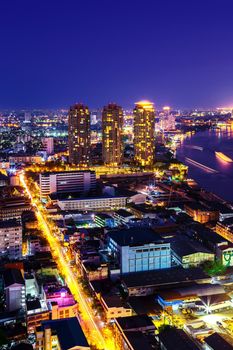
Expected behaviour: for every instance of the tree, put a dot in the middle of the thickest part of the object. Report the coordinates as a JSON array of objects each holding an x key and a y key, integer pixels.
[{"x": 214, "y": 268}]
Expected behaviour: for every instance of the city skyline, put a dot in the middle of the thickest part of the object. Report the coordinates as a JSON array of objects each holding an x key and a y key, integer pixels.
[
  {"x": 173, "y": 53},
  {"x": 116, "y": 173}
]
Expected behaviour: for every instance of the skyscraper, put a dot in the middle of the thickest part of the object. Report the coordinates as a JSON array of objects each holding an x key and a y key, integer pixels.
[
  {"x": 144, "y": 128},
  {"x": 79, "y": 134},
  {"x": 167, "y": 120},
  {"x": 112, "y": 124}
]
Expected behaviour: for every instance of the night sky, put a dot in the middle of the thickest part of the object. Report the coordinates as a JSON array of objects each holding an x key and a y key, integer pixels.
[{"x": 54, "y": 53}]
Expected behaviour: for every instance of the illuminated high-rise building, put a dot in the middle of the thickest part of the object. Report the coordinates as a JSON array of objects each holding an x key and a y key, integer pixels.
[
  {"x": 144, "y": 129},
  {"x": 167, "y": 120},
  {"x": 112, "y": 124},
  {"x": 79, "y": 135}
]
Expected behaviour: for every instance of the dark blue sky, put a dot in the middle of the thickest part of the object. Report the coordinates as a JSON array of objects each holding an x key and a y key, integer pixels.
[{"x": 57, "y": 52}]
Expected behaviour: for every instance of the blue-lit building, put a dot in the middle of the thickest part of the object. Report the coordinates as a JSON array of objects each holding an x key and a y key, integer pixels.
[
  {"x": 139, "y": 249},
  {"x": 104, "y": 220}
]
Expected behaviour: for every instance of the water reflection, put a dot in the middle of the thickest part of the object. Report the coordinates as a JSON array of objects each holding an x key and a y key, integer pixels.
[{"x": 201, "y": 148}]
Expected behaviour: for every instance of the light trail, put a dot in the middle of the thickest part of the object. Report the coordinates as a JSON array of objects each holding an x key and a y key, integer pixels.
[
  {"x": 223, "y": 157},
  {"x": 201, "y": 166},
  {"x": 94, "y": 333}
]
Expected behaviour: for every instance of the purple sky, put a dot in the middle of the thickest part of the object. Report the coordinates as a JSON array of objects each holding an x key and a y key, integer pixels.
[{"x": 57, "y": 52}]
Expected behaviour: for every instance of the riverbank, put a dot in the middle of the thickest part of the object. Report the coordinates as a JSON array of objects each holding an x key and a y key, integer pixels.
[{"x": 198, "y": 152}]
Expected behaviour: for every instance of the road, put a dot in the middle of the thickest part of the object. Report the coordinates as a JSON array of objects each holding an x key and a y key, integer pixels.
[{"x": 95, "y": 332}]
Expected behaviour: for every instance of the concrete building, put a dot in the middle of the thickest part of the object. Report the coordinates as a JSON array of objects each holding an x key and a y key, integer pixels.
[
  {"x": 218, "y": 341},
  {"x": 201, "y": 213},
  {"x": 27, "y": 117},
  {"x": 171, "y": 338},
  {"x": 79, "y": 136},
  {"x": 224, "y": 253},
  {"x": 151, "y": 282},
  {"x": 225, "y": 229},
  {"x": 112, "y": 144},
  {"x": 11, "y": 208},
  {"x": 54, "y": 303},
  {"x": 48, "y": 143},
  {"x": 4, "y": 180},
  {"x": 144, "y": 129},
  {"x": 123, "y": 217},
  {"x": 104, "y": 220},
  {"x": 90, "y": 203},
  {"x": 65, "y": 334},
  {"x": 134, "y": 332},
  {"x": 11, "y": 239},
  {"x": 115, "y": 307},
  {"x": 190, "y": 254},
  {"x": 14, "y": 289},
  {"x": 139, "y": 249},
  {"x": 67, "y": 181},
  {"x": 167, "y": 120},
  {"x": 25, "y": 159}
]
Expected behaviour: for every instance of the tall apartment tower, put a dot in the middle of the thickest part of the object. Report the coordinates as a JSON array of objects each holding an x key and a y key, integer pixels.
[
  {"x": 112, "y": 124},
  {"x": 79, "y": 135},
  {"x": 144, "y": 128}
]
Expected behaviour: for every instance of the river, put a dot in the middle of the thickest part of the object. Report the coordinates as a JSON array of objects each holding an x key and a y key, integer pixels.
[{"x": 209, "y": 171}]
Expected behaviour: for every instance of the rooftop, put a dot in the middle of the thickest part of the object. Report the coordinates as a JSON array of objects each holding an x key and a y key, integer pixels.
[
  {"x": 206, "y": 234},
  {"x": 139, "y": 340},
  {"x": 196, "y": 206},
  {"x": 12, "y": 276},
  {"x": 219, "y": 342},
  {"x": 135, "y": 236},
  {"x": 114, "y": 301},
  {"x": 183, "y": 247},
  {"x": 135, "y": 322},
  {"x": 67, "y": 172},
  {"x": 69, "y": 332},
  {"x": 227, "y": 222},
  {"x": 160, "y": 278},
  {"x": 33, "y": 304},
  {"x": 103, "y": 216},
  {"x": 82, "y": 196},
  {"x": 123, "y": 213},
  {"x": 182, "y": 341}
]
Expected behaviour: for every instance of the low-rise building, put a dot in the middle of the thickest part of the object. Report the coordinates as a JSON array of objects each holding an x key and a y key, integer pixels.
[
  {"x": 11, "y": 239},
  {"x": 151, "y": 282},
  {"x": 115, "y": 307},
  {"x": 123, "y": 216},
  {"x": 54, "y": 304},
  {"x": 62, "y": 302},
  {"x": 14, "y": 289},
  {"x": 194, "y": 295},
  {"x": 104, "y": 220},
  {"x": 4, "y": 180},
  {"x": 133, "y": 332},
  {"x": 11, "y": 208},
  {"x": 204, "y": 235},
  {"x": 89, "y": 202},
  {"x": 15, "y": 159},
  {"x": 217, "y": 341},
  {"x": 188, "y": 253},
  {"x": 94, "y": 271},
  {"x": 65, "y": 334},
  {"x": 37, "y": 311},
  {"x": 225, "y": 254},
  {"x": 139, "y": 249},
  {"x": 225, "y": 229},
  {"x": 201, "y": 213},
  {"x": 172, "y": 337}
]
